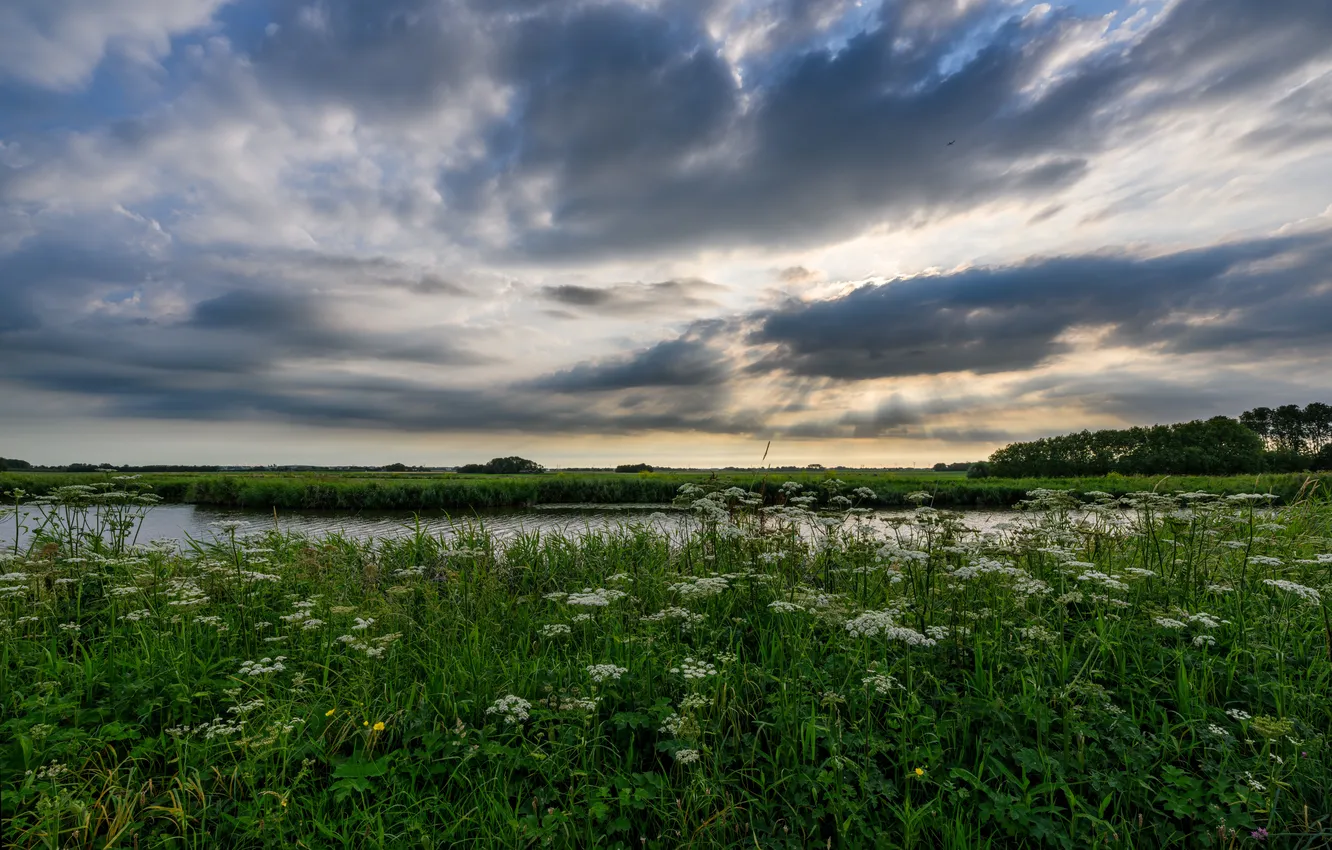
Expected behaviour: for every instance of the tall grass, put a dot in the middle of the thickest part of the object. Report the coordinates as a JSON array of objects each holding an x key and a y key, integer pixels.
[
  {"x": 1078, "y": 678},
  {"x": 356, "y": 491}
]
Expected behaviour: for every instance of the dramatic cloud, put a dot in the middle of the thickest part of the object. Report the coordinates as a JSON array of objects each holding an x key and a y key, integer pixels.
[
  {"x": 635, "y": 298},
  {"x": 1274, "y": 293},
  {"x": 900, "y": 222}
]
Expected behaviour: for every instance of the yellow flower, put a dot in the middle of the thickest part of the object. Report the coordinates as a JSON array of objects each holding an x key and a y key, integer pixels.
[
  {"x": 365, "y": 722},
  {"x": 329, "y": 713},
  {"x": 379, "y": 727},
  {"x": 920, "y": 772}
]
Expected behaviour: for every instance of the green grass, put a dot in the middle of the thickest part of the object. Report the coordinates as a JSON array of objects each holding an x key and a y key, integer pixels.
[
  {"x": 1062, "y": 683},
  {"x": 448, "y": 491}
]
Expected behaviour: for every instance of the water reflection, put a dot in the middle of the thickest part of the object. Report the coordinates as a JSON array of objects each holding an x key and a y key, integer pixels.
[{"x": 181, "y": 521}]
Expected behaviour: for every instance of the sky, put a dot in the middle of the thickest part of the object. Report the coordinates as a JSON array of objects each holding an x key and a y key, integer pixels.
[{"x": 593, "y": 232}]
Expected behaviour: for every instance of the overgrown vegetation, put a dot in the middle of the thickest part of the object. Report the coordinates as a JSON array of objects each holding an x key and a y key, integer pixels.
[
  {"x": 1151, "y": 672},
  {"x": 459, "y": 493}
]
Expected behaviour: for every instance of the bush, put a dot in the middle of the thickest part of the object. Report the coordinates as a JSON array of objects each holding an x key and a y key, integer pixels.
[{"x": 633, "y": 467}]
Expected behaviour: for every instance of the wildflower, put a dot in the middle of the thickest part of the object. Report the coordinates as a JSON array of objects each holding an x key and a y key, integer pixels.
[
  {"x": 686, "y": 756},
  {"x": 1308, "y": 594},
  {"x": 1169, "y": 623},
  {"x": 599, "y": 598},
  {"x": 1259, "y": 834},
  {"x": 1236, "y": 714},
  {"x": 555, "y": 630},
  {"x": 880, "y": 683},
  {"x": 602, "y": 672},
  {"x": 691, "y": 668},
  {"x": 1204, "y": 640},
  {"x": 379, "y": 726},
  {"x": 512, "y": 708},
  {"x": 920, "y": 772},
  {"x": 330, "y": 712}
]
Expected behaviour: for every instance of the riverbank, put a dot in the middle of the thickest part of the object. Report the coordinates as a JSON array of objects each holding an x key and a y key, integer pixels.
[{"x": 453, "y": 492}]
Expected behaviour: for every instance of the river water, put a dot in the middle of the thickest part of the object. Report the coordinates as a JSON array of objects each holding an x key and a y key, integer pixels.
[{"x": 181, "y": 521}]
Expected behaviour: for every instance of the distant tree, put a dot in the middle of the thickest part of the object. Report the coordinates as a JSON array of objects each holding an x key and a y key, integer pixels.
[
  {"x": 11, "y": 463},
  {"x": 504, "y": 466},
  {"x": 396, "y": 467},
  {"x": 1322, "y": 461},
  {"x": 633, "y": 467},
  {"x": 979, "y": 469},
  {"x": 1217, "y": 446},
  {"x": 941, "y": 467},
  {"x": 815, "y": 467},
  {"x": 81, "y": 467}
]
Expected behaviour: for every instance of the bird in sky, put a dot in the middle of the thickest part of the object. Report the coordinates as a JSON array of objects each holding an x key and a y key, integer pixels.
[{"x": 950, "y": 144}]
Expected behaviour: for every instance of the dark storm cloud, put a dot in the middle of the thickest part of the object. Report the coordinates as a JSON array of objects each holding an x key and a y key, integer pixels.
[
  {"x": 1267, "y": 294},
  {"x": 649, "y": 141},
  {"x": 684, "y": 362},
  {"x": 388, "y": 59},
  {"x": 635, "y": 298}
]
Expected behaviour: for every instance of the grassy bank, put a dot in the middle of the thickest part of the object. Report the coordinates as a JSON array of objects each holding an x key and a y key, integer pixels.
[
  {"x": 1157, "y": 680},
  {"x": 421, "y": 492}
]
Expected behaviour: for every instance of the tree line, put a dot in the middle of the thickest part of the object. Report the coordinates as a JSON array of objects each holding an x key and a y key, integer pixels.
[{"x": 1285, "y": 439}]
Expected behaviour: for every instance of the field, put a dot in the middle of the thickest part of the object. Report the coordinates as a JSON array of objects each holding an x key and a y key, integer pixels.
[
  {"x": 1155, "y": 678},
  {"x": 452, "y": 492}
]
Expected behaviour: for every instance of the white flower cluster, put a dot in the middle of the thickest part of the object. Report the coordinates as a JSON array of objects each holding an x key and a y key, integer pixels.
[
  {"x": 372, "y": 647},
  {"x": 513, "y": 709},
  {"x": 692, "y": 668},
  {"x": 184, "y": 593},
  {"x": 558, "y": 702},
  {"x": 1308, "y": 594},
  {"x": 1204, "y": 640},
  {"x": 1236, "y": 714},
  {"x": 1038, "y": 633},
  {"x": 781, "y": 606},
  {"x": 136, "y": 616},
  {"x": 881, "y": 683},
  {"x": 555, "y": 630},
  {"x": 686, "y": 617},
  {"x": 215, "y": 728},
  {"x": 602, "y": 672},
  {"x": 1207, "y": 621},
  {"x": 363, "y": 624},
  {"x": 1169, "y": 623},
  {"x": 598, "y": 598},
  {"x": 687, "y": 756},
  {"x": 700, "y": 587},
  {"x": 874, "y": 623},
  {"x": 1102, "y": 579},
  {"x": 263, "y": 666},
  {"x": 1217, "y": 731},
  {"x": 986, "y": 566}
]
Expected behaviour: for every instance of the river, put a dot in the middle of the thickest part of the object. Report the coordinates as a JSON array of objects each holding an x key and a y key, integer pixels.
[{"x": 181, "y": 521}]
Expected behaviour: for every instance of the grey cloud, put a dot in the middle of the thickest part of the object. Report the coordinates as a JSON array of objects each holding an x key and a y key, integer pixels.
[
  {"x": 834, "y": 139},
  {"x": 388, "y": 59},
  {"x": 673, "y": 296},
  {"x": 1268, "y": 293},
  {"x": 683, "y": 362}
]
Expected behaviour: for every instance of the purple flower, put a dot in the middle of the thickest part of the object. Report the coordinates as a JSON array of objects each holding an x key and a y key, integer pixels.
[{"x": 1258, "y": 834}]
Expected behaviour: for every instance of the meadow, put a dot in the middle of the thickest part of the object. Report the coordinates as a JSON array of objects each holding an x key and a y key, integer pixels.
[
  {"x": 354, "y": 491},
  {"x": 1147, "y": 671}
]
